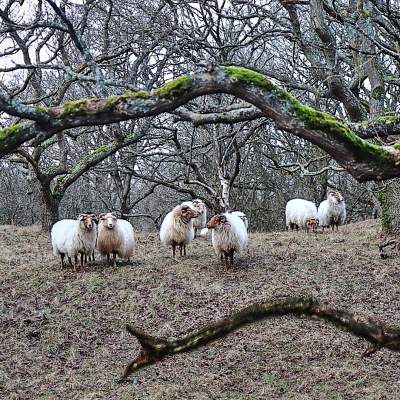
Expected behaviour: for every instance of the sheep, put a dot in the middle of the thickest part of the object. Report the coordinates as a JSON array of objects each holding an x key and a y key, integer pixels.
[
  {"x": 201, "y": 220},
  {"x": 116, "y": 236},
  {"x": 177, "y": 228},
  {"x": 204, "y": 232},
  {"x": 72, "y": 237},
  {"x": 301, "y": 213},
  {"x": 332, "y": 211},
  {"x": 229, "y": 234},
  {"x": 243, "y": 217}
]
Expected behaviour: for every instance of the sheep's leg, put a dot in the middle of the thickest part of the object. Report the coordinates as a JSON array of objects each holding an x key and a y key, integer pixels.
[
  {"x": 184, "y": 249},
  {"x": 62, "y": 260},
  {"x": 70, "y": 261},
  {"x": 86, "y": 258},
  {"x": 114, "y": 259},
  {"x": 76, "y": 262},
  {"x": 181, "y": 250},
  {"x": 93, "y": 256},
  {"x": 108, "y": 258},
  {"x": 231, "y": 258},
  {"x": 83, "y": 258},
  {"x": 173, "y": 249},
  {"x": 227, "y": 266}
]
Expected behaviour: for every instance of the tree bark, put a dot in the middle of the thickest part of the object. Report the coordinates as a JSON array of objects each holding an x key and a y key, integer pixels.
[
  {"x": 390, "y": 203},
  {"x": 365, "y": 161},
  {"x": 50, "y": 208},
  {"x": 155, "y": 349}
]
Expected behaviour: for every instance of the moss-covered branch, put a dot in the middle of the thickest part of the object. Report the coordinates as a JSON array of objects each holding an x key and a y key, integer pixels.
[
  {"x": 154, "y": 349},
  {"x": 361, "y": 158},
  {"x": 95, "y": 157}
]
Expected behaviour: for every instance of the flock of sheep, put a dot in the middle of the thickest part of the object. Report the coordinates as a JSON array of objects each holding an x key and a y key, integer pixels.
[
  {"x": 113, "y": 236},
  {"x": 304, "y": 214}
]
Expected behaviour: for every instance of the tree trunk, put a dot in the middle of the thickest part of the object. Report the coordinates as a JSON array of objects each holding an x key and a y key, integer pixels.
[
  {"x": 50, "y": 209},
  {"x": 390, "y": 203}
]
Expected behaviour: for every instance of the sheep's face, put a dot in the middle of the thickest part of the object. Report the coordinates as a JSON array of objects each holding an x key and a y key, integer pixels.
[
  {"x": 335, "y": 197},
  {"x": 312, "y": 224},
  {"x": 216, "y": 221},
  {"x": 88, "y": 221},
  {"x": 187, "y": 212},
  {"x": 243, "y": 217},
  {"x": 109, "y": 220},
  {"x": 199, "y": 206}
]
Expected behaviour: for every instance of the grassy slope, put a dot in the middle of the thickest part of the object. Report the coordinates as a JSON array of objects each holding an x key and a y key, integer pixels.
[{"x": 63, "y": 333}]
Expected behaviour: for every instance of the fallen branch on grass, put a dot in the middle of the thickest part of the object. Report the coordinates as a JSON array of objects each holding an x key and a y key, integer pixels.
[
  {"x": 155, "y": 349},
  {"x": 394, "y": 243}
]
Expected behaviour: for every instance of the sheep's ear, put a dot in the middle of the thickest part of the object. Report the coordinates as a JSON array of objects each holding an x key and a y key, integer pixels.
[
  {"x": 102, "y": 215},
  {"x": 82, "y": 217}
]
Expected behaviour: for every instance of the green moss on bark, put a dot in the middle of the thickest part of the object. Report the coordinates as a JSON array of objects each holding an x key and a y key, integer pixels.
[
  {"x": 75, "y": 107},
  {"x": 383, "y": 119},
  {"x": 311, "y": 118},
  {"x": 175, "y": 87},
  {"x": 245, "y": 75},
  {"x": 9, "y": 131}
]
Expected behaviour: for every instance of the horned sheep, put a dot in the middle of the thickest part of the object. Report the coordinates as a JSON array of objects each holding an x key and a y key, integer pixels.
[
  {"x": 116, "y": 236},
  {"x": 71, "y": 237},
  {"x": 229, "y": 235},
  {"x": 301, "y": 213},
  {"x": 177, "y": 228},
  {"x": 332, "y": 211}
]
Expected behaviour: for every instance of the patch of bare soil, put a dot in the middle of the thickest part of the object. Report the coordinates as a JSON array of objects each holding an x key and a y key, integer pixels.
[{"x": 62, "y": 332}]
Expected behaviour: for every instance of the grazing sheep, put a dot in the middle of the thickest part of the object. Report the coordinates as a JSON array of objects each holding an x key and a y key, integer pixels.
[
  {"x": 116, "y": 236},
  {"x": 243, "y": 217},
  {"x": 72, "y": 237},
  {"x": 332, "y": 211},
  {"x": 229, "y": 234},
  {"x": 301, "y": 214},
  {"x": 177, "y": 228},
  {"x": 200, "y": 221}
]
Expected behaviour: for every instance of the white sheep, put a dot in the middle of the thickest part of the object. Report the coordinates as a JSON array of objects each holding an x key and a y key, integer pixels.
[
  {"x": 200, "y": 221},
  {"x": 71, "y": 237},
  {"x": 332, "y": 211},
  {"x": 116, "y": 236},
  {"x": 177, "y": 228},
  {"x": 229, "y": 234},
  {"x": 243, "y": 217},
  {"x": 301, "y": 213},
  {"x": 204, "y": 232}
]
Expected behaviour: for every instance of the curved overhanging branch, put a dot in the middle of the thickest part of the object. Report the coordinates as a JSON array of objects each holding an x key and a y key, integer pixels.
[
  {"x": 362, "y": 159},
  {"x": 155, "y": 349},
  {"x": 381, "y": 127}
]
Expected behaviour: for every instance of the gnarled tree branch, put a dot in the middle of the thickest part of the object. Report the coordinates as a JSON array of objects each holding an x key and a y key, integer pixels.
[
  {"x": 362, "y": 159},
  {"x": 155, "y": 349}
]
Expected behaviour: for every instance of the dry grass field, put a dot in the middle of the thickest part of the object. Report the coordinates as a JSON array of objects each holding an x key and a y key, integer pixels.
[{"x": 62, "y": 332}]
